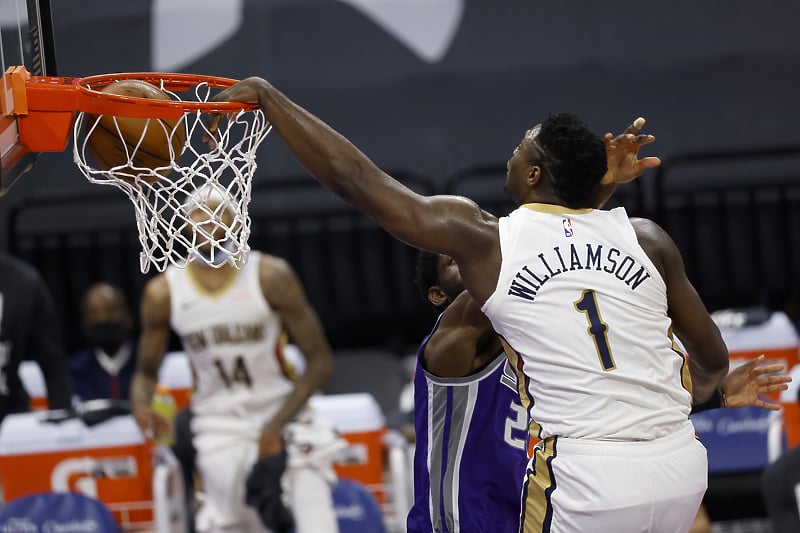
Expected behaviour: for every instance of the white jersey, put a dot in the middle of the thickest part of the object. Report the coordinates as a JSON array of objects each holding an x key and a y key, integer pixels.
[
  {"x": 585, "y": 310},
  {"x": 234, "y": 341}
]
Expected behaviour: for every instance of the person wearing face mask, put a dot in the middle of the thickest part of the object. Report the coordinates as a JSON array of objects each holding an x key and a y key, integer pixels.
[{"x": 104, "y": 368}]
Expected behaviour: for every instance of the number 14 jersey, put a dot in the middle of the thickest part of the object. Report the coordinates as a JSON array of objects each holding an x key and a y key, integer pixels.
[
  {"x": 234, "y": 341},
  {"x": 585, "y": 312}
]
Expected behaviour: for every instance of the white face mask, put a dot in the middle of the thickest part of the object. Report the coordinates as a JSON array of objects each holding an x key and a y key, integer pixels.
[{"x": 217, "y": 256}]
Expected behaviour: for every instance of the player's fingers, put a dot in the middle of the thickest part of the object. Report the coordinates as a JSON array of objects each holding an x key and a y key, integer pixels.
[
  {"x": 767, "y": 405},
  {"x": 643, "y": 139},
  {"x": 649, "y": 162},
  {"x": 636, "y": 126},
  {"x": 748, "y": 366},
  {"x": 769, "y": 369},
  {"x": 777, "y": 387},
  {"x": 213, "y": 123},
  {"x": 781, "y": 378},
  {"x": 211, "y": 132}
]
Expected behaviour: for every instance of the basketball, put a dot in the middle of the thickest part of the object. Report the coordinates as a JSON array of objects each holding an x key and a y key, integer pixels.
[{"x": 108, "y": 140}]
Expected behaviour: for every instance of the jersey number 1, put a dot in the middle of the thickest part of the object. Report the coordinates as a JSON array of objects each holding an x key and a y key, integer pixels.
[{"x": 598, "y": 329}]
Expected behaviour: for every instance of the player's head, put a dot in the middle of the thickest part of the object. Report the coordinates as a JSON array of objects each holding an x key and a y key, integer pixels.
[
  {"x": 438, "y": 279},
  {"x": 560, "y": 160},
  {"x": 212, "y": 213},
  {"x": 107, "y": 319}
]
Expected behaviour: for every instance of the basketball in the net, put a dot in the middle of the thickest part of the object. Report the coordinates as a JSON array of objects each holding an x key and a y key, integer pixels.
[{"x": 107, "y": 141}]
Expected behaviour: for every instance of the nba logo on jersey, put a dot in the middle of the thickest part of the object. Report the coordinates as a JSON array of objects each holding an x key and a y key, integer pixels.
[{"x": 567, "y": 223}]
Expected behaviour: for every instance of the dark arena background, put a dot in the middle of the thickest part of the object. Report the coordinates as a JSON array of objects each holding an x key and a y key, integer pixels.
[{"x": 438, "y": 93}]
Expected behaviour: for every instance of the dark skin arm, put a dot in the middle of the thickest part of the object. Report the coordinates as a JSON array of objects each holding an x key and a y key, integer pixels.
[
  {"x": 463, "y": 342},
  {"x": 286, "y": 296},
  {"x": 153, "y": 341},
  {"x": 708, "y": 355},
  {"x": 449, "y": 225}
]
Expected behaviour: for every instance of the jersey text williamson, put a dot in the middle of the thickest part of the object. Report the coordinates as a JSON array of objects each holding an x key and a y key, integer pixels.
[{"x": 530, "y": 278}]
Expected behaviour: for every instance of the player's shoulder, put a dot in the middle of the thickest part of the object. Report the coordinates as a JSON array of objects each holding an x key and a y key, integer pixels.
[
  {"x": 271, "y": 265},
  {"x": 18, "y": 270},
  {"x": 157, "y": 288},
  {"x": 650, "y": 234},
  {"x": 656, "y": 243}
]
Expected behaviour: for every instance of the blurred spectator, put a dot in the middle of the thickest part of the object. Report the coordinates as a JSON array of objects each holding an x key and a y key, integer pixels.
[
  {"x": 29, "y": 330},
  {"x": 104, "y": 368}
]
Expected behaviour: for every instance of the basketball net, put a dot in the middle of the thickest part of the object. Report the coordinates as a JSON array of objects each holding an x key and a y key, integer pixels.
[{"x": 196, "y": 207}]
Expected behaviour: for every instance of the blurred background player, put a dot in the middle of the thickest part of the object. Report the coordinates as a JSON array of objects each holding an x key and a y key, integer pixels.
[
  {"x": 29, "y": 330},
  {"x": 104, "y": 368},
  {"x": 247, "y": 402}
]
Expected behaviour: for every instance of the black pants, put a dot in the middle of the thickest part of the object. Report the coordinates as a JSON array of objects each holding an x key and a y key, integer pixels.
[
  {"x": 186, "y": 454},
  {"x": 778, "y": 486}
]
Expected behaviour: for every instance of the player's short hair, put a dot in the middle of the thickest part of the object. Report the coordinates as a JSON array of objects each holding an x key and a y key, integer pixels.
[
  {"x": 427, "y": 272},
  {"x": 573, "y": 155},
  {"x": 208, "y": 193}
]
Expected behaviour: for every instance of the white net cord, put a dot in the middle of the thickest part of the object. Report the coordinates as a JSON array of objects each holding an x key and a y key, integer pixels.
[{"x": 195, "y": 208}]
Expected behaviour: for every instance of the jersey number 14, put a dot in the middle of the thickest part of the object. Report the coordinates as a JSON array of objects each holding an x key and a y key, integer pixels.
[{"x": 238, "y": 374}]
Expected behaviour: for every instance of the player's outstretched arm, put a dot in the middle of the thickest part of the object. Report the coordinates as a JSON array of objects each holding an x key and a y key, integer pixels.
[
  {"x": 708, "y": 355},
  {"x": 463, "y": 337},
  {"x": 153, "y": 341},
  {"x": 443, "y": 224},
  {"x": 286, "y": 296}
]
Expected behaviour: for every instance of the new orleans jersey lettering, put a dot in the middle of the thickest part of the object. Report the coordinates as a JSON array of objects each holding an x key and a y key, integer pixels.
[
  {"x": 602, "y": 258},
  {"x": 224, "y": 334}
]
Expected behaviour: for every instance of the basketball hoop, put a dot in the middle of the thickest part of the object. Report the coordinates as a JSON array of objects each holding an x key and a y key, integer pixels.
[{"x": 192, "y": 204}]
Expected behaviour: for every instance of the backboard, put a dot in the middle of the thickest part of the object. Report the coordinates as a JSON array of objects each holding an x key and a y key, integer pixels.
[{"x": 26, "y": 39}]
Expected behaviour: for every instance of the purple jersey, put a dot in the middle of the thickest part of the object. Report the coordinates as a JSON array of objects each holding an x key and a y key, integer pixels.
[{"x": 471, "y": 450}]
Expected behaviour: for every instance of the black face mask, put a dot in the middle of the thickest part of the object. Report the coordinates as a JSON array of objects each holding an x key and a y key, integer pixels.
[{"x": 106, "y": 335}]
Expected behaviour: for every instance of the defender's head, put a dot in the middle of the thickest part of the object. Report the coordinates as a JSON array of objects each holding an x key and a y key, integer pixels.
[{"x": 438, "y": 279}]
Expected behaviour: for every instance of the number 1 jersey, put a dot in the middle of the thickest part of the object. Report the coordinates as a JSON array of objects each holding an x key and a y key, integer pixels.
[
  {"x": 584, "y": 311},
  {"x": 234, "y": 341}
]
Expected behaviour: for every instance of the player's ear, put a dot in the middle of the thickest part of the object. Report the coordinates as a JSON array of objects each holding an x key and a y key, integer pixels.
[
  {"x": 534, "y": 175},
  {"x": 437, "y": 296}
]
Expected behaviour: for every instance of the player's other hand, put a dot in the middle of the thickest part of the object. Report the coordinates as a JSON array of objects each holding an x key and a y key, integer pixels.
[
  {"x": 747, "y": 382},
  {"x": 270, "y": 444},
  {"x": 151, "y": 423},
  {"x": 622, "y": 153}
]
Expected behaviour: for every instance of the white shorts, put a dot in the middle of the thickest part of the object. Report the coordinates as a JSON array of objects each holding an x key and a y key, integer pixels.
[
  {"x": 227, "y": 448},
  {"x": 626, "y": 487}
]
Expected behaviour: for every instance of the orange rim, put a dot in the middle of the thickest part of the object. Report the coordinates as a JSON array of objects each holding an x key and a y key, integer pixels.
[
  {"x": 93, "y": 100},
  {"x": 44, "y": 106}
]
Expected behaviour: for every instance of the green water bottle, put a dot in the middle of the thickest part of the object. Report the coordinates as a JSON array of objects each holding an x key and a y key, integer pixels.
[{"x": 163, "y": 404}]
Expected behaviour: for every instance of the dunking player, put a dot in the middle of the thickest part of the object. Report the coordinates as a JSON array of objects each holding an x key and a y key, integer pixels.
[
  {"x": 586, "y": 302},
  {"x": 469, "y": 478},
  {"x": 232, "y": 324},
  {"x": 471, "y": 428}
]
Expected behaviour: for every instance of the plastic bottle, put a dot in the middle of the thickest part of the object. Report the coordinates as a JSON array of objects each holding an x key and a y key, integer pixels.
[{"x": 163, "y": 404}]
